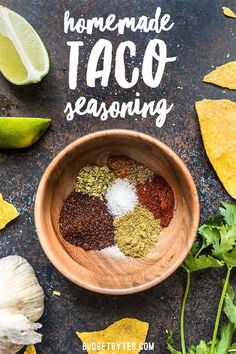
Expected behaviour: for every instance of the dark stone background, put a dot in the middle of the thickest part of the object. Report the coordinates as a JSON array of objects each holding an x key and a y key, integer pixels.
[{"x": 201, "y": 38}]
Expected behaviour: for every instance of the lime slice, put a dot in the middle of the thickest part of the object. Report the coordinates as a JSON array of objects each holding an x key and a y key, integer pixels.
[
  {"x": 23, "y": 57},
  {"x": 17, "y": 133}
]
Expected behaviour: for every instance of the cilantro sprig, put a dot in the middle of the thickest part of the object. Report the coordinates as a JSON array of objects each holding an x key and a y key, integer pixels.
[{"x": 218, "y": 239}]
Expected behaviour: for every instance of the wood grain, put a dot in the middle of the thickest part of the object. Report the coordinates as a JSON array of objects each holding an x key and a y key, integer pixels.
[{"x": 94, "y": 270}]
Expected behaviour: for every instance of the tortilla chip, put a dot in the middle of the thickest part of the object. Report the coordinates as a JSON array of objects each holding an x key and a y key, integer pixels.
[
  {"x": 224, "y": 76},
  {"x": 30, "y": 349},
  {"x": 217, "y": 120},
  {"x": 121, "y": 334},
  {"x": 7, "y": 212},
  {"x": 228, "y": 12}
]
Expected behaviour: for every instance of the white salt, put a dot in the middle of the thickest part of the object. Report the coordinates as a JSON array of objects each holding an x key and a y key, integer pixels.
[
  {"x": 113, "y": 252},
  {"x": 121, "y": 198}
]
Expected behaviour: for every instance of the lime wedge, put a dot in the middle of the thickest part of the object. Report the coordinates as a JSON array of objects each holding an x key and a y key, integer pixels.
[
  {"x": 18, "y": 133},
  {"x": 23, "y": 57}
]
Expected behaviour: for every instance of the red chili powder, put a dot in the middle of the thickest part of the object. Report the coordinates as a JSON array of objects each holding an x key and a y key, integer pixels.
[
  {"x": 85, "y": 221},
  {"x": 120, "y": 166},
  {"x": 157, "y": 196}
]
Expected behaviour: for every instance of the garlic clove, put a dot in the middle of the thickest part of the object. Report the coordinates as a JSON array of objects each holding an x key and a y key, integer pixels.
[
  {"x": 21, "y": 304},
  {"x": 20, "y": 290},
  {"x": 17, "y": 329},
  {"x": 9, "y": 348}
]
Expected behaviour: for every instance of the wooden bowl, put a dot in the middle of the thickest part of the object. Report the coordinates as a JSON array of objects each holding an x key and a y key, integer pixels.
[{"x": 104, "y": 273}]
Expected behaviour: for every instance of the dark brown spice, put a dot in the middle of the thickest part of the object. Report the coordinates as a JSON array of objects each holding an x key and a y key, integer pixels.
[
  {"x": 120, "y": 166},
  {"x": 156, "y": 195},
  {"x": 84, "y": 221}
]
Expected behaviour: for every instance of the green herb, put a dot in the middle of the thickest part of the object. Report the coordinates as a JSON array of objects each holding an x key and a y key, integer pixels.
[
  {"x": 94, "y": 180},
  {"x": 219, "y": 238},
  {"x": 138, "y": 172}
]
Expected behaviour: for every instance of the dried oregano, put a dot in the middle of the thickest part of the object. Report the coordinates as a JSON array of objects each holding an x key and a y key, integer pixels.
[
  {"x": 139, "y": 173},
  {"x": 94, "y": 180}
]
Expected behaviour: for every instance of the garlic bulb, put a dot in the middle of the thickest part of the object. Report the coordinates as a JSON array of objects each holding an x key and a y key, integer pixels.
[
  {"x": 9, "y": 348},
  {"x": 21, "y": 304}
]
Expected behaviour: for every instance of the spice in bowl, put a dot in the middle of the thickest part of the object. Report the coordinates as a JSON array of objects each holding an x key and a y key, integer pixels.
[
  {"x": 157, "y": 196},
  {"x": 122, "y": 206},
  {"x": 121, "y": 198},
  {"x": 86, "y": 222},
  {"x": 139, "y": 173},
  {"x": 124, "y": 167},
  {"x": 94, "y": 180},
  {"x": 120, "y": 166},
  {"x": 137, "y": 232}
]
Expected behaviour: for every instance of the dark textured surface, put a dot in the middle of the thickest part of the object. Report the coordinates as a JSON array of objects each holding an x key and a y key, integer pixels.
[{"x": 201, "y": 38}]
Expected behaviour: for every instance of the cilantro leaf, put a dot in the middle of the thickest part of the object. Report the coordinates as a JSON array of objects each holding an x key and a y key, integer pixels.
[
  {"x": 222, "y": 346},
  {"x": 220, "y": 234},
  {"x": 194, "y": 248},
  {"x": 227, "y": 237},
  {"x": 232, "y": 349},
  {"x": 224, "y": 248},
  {"x": 230, "y": 259},
  {"x": 172, "y": 350},
  {"x": 228, "y": 212},
  {"x": 229, "y": 307},
  {"x": 202, "y": 262},
  {"x": 201, "y": 348},
  {"x": 170, "y": 342},
  {"x": 210, "y": 234},
  {"x": 215, "y": 221},
  {"x": 224, "y": 343}
]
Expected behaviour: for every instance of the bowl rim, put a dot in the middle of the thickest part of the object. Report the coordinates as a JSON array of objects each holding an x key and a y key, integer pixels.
[{"x": 63, "y": 268}]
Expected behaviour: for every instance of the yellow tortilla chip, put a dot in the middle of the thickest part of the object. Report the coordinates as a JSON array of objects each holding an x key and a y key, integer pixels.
[
  {"x": 30, "y": 349},
  {"x": 122, "y": 337},
  {"x": 217, "y": 120},
  {"x": 7, "y": 212},
  {"x": 224, "y": 76},
  {"x": 228, "y": 12}
]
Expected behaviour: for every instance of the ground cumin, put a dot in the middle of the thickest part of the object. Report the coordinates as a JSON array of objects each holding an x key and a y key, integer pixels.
[
  {"x": 85, "y": 221},
  {"x": 137, "y": 232},
  {"x": 156, "y": 195}
]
